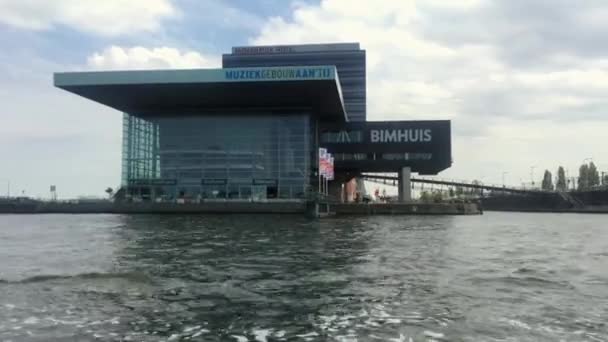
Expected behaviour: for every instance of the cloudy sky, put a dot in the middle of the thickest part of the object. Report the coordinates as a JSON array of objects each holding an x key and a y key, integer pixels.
[{"x": 523, "y": 81}]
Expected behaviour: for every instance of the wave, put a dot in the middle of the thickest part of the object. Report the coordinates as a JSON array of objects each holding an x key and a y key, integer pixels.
[
  {"x": 524, "y": 281},
  {"x": 133, "y": 276}
]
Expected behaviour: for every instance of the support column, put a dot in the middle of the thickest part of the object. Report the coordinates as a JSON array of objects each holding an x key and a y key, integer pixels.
[
  {"x": 335, "y": 190},
  {"x": 405, "y": 185}
]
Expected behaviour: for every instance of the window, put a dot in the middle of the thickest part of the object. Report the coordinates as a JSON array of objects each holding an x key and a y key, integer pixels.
[
  {"x": 342, "y": 137},
  {"x": 238, "y": 148},
  {"x": 350, "y": 156}
]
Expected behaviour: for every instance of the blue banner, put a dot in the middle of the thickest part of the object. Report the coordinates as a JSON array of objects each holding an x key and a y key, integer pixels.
[{"x": 298, "y": 73}]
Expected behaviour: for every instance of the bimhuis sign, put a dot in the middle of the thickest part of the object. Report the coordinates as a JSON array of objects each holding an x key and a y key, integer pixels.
[
  {"x": 412, "y": 135},
  {"x": 388, "y": 136}
]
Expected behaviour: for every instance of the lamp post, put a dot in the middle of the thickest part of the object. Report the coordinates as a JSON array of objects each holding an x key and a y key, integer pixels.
[
  {"x": 503, "y": 178},
  {"x": 602, "y": 174},
  {"x": 8, "y": 186},
  {"x": 532, "y": 174}
]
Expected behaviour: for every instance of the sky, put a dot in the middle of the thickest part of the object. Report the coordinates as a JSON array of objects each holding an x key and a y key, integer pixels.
[{"x": 523, "y": 81}]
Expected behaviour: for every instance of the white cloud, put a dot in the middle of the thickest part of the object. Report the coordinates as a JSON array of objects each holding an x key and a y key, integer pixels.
[
  {"x": 524, "y": 82},
  {"x": 74, "y": 140},
  {"x": 461, "y": 4},
  {"x": 119, "y": 58},
  {"x": 103, "y": 17},
  {"x": 514, "y": 99}
]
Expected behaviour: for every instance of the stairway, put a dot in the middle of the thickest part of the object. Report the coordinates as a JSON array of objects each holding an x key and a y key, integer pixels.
[{"x": 575, "y": 203}]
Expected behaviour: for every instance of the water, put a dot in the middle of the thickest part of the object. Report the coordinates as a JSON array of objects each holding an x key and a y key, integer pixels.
[{"x": 497, "y": 277}]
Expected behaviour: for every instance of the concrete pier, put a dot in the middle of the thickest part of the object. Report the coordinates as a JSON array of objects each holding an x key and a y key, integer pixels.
[
  {"x": 405, "y": 185},
  {"x": 227, "y": 207},
  {"x": 407, "y": 209}
]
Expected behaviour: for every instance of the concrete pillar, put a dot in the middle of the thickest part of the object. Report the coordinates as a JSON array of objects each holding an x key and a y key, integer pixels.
[
  {"x": 350, "y": 188},
  {"x": 336, "y": 189},
  {"x": 361, "y": 187},
  {"x": 405, "y": 184},
  {"x": 343, "y": 187}
]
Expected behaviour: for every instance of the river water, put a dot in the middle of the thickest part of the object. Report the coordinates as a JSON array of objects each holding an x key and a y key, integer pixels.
[{"x": 496, "y": 277}]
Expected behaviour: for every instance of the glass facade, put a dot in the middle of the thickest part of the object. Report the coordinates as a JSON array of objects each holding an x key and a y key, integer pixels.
[
  {"x": 140, "y": 158},
  {"x": 217, "y": 156}
]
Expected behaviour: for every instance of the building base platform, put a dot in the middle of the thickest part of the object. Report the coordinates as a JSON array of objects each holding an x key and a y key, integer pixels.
[
  {"x": 225, "y": 207},
  {"x": 407, "y": 209},
  {"x": 312, "y": 209}
]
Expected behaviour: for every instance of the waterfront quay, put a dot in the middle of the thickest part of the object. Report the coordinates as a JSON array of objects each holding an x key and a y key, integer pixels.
[{"x": 313, "y": 209}]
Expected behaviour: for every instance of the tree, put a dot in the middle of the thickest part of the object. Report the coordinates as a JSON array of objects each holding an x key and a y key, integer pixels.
[
  {"x": 109, "y": 191},
  {"x": 583, "y": 177},
  {"x": 476, "y": 191},
  {"x": 425, "y": 197},
  {"x": 437, "y": 196},
  {"x": 593, "y": 175},
  {"x": 547, "y": 181},
  {"x": 560, "y": 184}
]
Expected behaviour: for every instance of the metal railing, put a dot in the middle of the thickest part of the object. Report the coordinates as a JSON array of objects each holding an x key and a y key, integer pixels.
[{"x": 458, "y": 183}]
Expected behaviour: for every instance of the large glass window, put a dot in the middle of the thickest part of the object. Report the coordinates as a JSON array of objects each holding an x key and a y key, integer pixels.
[
  {"x": 342, "y": 137},
  {"x": 211, "y": 155}
]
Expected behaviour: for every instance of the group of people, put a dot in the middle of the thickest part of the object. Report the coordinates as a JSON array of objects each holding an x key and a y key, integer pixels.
[{"x": 377, "y": 197}]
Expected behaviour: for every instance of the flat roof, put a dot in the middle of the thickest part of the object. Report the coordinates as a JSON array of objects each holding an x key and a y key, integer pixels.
[{"x": 149, "y": 92}]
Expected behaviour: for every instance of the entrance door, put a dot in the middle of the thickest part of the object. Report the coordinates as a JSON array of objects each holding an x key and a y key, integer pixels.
[
  {"x": 258, "y": 193},
  {"x": 245, "y": 192}
]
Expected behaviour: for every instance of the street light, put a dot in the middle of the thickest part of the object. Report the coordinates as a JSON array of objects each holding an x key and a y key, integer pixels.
[
  {"x": 8, "y": 186},
  {"x": 503, "y": 178},
  {"x": 532, "y": 174}
]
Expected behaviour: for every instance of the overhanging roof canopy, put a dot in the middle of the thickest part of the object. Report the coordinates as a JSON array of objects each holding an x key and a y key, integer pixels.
[{"x": 150, "y": 92}]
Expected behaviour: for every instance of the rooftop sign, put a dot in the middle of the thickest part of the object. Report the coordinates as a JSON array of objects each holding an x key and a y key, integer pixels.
[{"x": 284, "y": 49}]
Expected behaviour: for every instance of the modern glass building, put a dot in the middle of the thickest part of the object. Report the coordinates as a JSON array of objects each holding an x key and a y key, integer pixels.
[{"x": 253, "y": 133}]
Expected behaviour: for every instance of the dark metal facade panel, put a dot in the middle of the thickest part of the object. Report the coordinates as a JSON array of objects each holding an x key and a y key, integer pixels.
[
  {"x": 351, "y": 67},
  {"x": 320, "y": 96},
  {"x": 387, "y": 146}
]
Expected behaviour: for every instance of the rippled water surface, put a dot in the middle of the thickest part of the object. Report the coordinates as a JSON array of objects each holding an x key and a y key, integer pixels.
[{"x": 497, "y": 277}]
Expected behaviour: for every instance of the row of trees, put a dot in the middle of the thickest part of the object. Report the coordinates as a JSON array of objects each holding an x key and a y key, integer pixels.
[
  {"x": 588, "y": 177},
  {"x": 458, "y": 192}
]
